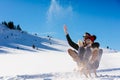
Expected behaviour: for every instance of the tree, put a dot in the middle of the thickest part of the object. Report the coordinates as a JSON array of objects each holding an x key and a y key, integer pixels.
[
  {"x": 33, "y": 46},
  {"x": 11, "y": 25},
  {"x": 5, "y": 23},
  {"x": 49, "y": 38},
  {"x": 107, "y": 47},
  {"x": 18, "y": 27}
]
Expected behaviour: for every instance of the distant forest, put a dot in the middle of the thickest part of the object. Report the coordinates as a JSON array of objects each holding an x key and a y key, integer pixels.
[{"x": 11, "y": 25}]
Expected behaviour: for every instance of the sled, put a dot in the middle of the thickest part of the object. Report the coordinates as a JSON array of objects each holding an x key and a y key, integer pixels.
[{"x": 83, "y": 67}]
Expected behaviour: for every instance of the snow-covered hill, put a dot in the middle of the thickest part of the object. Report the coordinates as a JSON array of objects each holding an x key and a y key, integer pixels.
[
  {"x": 24, "y": 41},
  {"x": 48, "y": 61}
]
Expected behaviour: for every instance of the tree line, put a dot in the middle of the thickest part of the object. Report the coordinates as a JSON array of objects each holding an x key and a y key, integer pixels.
[{"x": 11, "y": 25}]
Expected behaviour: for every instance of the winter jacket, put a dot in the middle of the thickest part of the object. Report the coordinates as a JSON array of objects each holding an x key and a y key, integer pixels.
[{"x": 71, "y": 43}]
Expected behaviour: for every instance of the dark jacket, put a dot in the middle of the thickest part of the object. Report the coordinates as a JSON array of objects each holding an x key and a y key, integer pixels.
[{"x": 71, "y": 43}]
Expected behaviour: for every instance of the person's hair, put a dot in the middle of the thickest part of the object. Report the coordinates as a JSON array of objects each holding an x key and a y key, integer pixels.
[
  {"x": 95, "y": 45},
  {"x": 88, "y": 33},
  {"x": 94, "y": 37}
]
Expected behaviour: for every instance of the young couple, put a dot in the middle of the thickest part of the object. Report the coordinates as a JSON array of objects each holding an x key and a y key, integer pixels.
[{"x": 86, "y": 54}]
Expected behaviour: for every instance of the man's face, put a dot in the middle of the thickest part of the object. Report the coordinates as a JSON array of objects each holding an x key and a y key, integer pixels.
[{"x": 88, "y": 41}]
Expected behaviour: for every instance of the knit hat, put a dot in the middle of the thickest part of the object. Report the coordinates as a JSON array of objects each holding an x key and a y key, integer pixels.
[
  {"x": 91, "y": 38},
  {"x": 86, "y": 35}
]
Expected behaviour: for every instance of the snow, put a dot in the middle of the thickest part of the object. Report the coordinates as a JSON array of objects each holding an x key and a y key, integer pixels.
[{"x": 19, "y": 61}]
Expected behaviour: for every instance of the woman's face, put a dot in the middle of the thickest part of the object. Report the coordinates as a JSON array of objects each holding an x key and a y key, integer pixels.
[{"x": 88, "y": 41}]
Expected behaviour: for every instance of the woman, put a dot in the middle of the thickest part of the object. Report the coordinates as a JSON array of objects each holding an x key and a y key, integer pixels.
[
  {"x": 87, "y": 52},
  {"x": 81, "y": 49}
]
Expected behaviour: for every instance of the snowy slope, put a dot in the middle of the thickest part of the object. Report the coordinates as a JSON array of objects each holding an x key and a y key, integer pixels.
[
  {"x": 24, "y": 41},
  {"x": 19, "y": 61}
]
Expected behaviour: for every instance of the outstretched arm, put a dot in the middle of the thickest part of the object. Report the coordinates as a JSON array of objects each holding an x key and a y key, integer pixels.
[
  {"x": 65, "y": 29},
  {"x": 70, "y": 42}
]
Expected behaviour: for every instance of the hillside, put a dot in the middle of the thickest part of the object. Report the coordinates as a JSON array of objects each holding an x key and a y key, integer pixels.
[
  {"x": 48, "y": 60},
  {"x": 24, "y": 41}
]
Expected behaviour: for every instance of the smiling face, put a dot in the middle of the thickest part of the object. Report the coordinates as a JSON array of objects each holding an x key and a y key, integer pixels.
[{"x": 88, "y": 42}]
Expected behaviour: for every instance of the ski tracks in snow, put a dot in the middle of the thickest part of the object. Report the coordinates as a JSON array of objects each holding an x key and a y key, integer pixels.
[{"x": 61, "y": 76}]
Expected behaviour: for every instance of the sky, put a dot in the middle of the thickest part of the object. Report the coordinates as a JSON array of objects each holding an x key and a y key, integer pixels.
[{"x": 47, "y": 17}]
